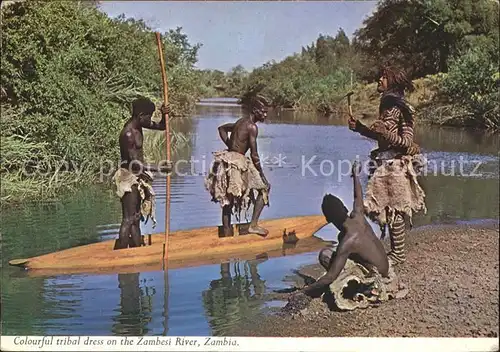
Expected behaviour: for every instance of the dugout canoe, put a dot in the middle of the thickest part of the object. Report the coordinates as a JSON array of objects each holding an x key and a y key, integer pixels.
[{"x": 186, "y": 248}]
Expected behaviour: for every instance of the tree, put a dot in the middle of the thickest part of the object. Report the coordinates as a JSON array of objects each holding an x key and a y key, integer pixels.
[
  {"x": 423, "y": 35},
  {"x": 69, "y": 74}
]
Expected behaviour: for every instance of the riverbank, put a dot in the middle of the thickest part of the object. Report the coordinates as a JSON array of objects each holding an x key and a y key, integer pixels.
[
  {"x": 452, "y": 276},
  {"x": 432, "y": 107}
]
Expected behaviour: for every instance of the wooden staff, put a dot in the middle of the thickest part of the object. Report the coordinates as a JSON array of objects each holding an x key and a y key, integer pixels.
[{"x": 167, "y": 145}]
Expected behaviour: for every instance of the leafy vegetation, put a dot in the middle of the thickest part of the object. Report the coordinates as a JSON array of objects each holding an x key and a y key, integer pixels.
[
  {"x": 473, "y": 80},
  {"x": 227, "y": 84},
  {"x": 69, "y": 74},
  {"x": 453, "y": 45},
  {"x": 422, "y": 36},
  {"x": 315, "y": 78}
]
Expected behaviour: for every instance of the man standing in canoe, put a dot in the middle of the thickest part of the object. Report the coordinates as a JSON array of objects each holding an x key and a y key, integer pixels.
[
  {"x": 235, "y": 178},
  {"x": 393, "y": 191},
  {"x": 133, "y": 179}
]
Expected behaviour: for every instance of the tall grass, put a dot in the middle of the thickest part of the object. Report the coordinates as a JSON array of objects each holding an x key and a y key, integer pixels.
[
  {"x": 29, "y": 171},
  {"x": 154, "y": 141}
]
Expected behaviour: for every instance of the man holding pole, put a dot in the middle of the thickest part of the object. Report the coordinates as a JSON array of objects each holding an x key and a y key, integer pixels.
[
  {"x": 393, "y": 191},
  {"x": 133, "y": 179},
  {"x": 234, "y": 178}
]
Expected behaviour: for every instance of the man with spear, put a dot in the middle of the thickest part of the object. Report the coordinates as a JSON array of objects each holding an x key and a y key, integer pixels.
[{"x": 133, "y": 179}]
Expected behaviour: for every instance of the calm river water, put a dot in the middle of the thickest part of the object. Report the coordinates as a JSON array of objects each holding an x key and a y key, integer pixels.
[{"x": 207, "y": 300}]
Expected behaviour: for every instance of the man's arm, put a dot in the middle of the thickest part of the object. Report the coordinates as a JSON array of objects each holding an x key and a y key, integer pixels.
[
  {"x": 343, "y": 252},
  {"x": 365, "y": 131},
  {"x": 147, "y": 122},
  {"x": 223, "y": 132},
  {"x": 254, "y": 154},
  {"x": 358, "y": 192}
]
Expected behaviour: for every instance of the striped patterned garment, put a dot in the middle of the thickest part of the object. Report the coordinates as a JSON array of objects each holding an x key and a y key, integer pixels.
[
  {"x": 399, "y": 136},
  {"x": 397, "y": 234},
  {"x": 400, "y": 131}
]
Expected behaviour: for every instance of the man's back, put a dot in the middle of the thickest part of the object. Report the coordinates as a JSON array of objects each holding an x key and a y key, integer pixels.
[
  {"x": 240, "y": 137},
  {"x": 365, "y": 243},
  {"x": 131, "y": 141}
]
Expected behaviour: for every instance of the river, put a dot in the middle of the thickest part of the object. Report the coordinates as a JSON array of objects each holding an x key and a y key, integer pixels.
[{"x": 300, "y": 150}]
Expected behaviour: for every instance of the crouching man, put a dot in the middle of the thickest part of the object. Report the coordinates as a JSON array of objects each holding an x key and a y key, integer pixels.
[{"x": 358, "y": 270}]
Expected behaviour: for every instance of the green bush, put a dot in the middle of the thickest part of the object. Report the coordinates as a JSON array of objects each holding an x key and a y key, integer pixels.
[
  {"x": 472, "y": 82},
  {"x": 70, "y": 73},
  {"x": 311, "y": 80}
]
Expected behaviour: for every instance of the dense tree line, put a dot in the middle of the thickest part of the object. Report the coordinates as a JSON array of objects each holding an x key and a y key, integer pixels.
[
  {"x": 69, "y": 73},
  {"x": 456, "y": 40}
]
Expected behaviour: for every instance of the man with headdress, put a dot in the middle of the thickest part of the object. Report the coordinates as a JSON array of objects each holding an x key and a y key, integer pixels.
[
  {"x": 393, "y": 191},
  {"x": 237, "y": 181}
]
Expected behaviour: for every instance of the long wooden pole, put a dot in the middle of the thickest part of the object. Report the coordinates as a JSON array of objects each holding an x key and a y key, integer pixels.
[{"x": 167, "y": 145}]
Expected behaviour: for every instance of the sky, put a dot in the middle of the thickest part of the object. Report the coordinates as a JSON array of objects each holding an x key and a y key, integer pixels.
[{"x": 248, "y": 33}]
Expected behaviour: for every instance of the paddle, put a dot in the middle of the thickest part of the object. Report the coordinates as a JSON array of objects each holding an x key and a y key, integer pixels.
[{"x": 167, "y": 145}]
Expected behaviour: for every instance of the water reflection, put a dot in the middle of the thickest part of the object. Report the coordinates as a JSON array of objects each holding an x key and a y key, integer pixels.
[
  {"x": 234, "y": 295},
  {"x": 458, "y": 198},
  {"x": 431, "y": 137},
  {"x": 135, "y": 308},
  {"x": 22, "y": 305}
]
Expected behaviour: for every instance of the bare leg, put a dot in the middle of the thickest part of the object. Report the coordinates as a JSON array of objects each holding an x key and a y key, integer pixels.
[
  {"x": 123, "y": 238},
  {"x": 397, "y": 234},
  {"x": 127, "y": 221},
  {"x": 257, "y": 210},
  {"x": 226, "y": 221},
  {"x": 130, "y": 234},
  {"x": 135, "y": 233},
  {"x": 258, "y": 284}
]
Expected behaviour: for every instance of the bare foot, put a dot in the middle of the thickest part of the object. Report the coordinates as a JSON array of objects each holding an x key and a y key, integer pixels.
[{"x": 258, "y": 231}]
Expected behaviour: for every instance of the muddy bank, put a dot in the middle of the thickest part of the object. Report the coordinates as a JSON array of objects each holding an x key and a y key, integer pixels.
[{"x": 452, "y": 275}]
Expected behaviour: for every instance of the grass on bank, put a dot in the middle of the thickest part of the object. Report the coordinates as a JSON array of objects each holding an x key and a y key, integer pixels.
[{"x": 30, "y": 172}]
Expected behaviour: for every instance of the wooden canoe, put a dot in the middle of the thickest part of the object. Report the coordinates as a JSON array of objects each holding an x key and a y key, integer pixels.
[{"x": 186, "y": 248}]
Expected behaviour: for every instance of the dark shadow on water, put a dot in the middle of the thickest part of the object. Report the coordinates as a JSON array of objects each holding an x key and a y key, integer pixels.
[
  {"x": 452, "y": 199},
  {"x": 287, "y": 290},
  {"x": 234, "y": 296},
  {"x": 22, "y": 304},
  {"x": 135, "y": 307}
]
